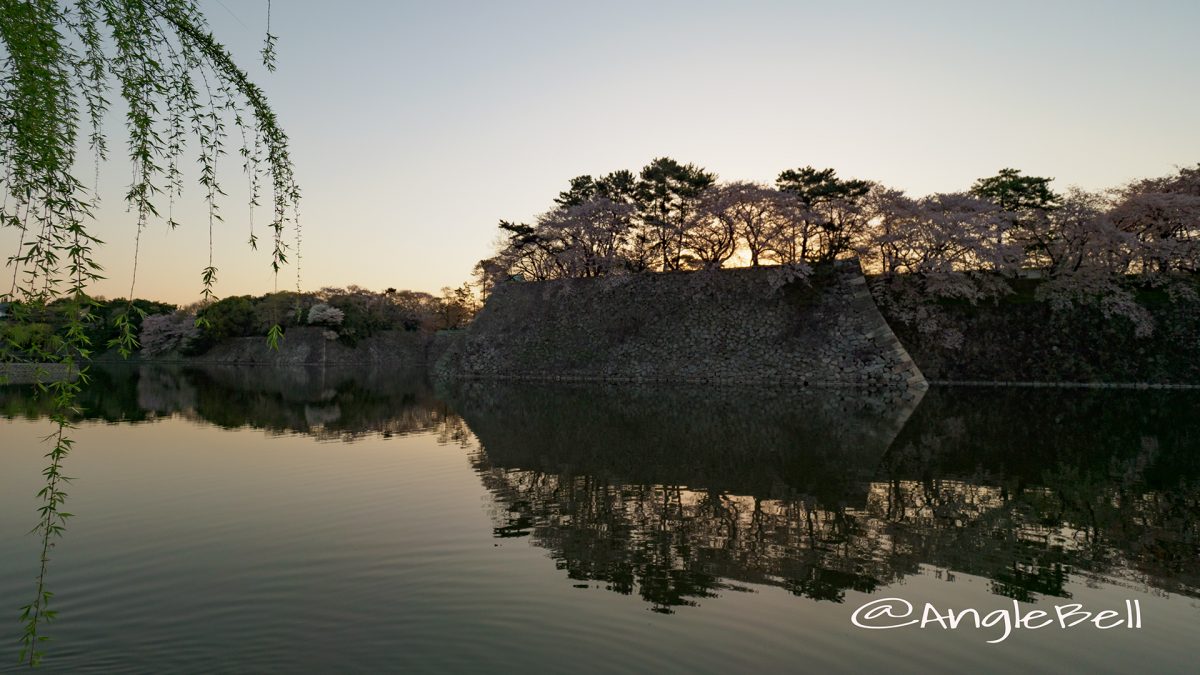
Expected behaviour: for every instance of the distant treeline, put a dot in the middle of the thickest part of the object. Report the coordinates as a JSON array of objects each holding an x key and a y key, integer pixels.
[
  {"x": 348, "y": 314},
  {"x": 1086, "y": 246}
]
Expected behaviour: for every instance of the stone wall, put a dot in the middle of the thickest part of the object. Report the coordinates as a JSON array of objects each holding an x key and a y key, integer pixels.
[
  {"x": 1018, "y": 339},
  {"x": 441, "y": 342},
  {"x": 732, "y": 326}
]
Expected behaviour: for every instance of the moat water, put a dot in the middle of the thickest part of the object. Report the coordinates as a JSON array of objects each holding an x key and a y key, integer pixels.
[{"x": 326, "y": 520}]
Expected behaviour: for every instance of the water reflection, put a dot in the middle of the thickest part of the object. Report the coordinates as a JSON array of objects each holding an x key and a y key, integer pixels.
[
  {"x": 1030, "y": 488},
  {"x": 334, "y": 403},
  {"x": 676, "y": 494}
]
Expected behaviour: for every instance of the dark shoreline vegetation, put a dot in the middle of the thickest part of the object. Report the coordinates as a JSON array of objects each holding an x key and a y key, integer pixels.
[{"x": 348, "y": 315}]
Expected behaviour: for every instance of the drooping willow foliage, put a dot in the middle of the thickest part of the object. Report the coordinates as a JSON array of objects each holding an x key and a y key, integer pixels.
[{"x": 63, "y": 63}]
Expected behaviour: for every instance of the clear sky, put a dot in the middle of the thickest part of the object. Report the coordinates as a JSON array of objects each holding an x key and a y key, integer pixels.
[{"x": 417, "y": 125}]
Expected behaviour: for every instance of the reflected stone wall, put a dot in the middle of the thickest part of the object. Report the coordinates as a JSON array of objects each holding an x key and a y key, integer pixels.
[
  {"x": 768, "y": 442},
  {"x": 725, "y": 326},
  {"x": 677, "y": 493},
  {"x": 32, "y": 373},
  {"x": 675, "y": 497}
]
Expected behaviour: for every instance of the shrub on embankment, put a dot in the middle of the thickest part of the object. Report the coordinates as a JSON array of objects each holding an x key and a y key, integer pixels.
[{"x": 28, "y": 330}]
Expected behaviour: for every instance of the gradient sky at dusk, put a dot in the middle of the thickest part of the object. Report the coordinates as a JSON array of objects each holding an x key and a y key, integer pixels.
[{"x": 417, "y": 125}]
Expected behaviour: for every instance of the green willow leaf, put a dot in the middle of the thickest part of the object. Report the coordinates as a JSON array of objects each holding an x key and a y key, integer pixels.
[{"x": 63, "y": 62}]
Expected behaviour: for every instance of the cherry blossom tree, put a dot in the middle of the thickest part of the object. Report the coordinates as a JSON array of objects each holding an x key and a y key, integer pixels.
[
  {"x": 749, "y": 213},
  {"x": 162, "y": 333},
  {"x": 322, "y": 314},
  {"x": 1164, "y": 215},
  {"x": 526, "y": 252},
  {"x": 1087, "y": 248},
  {"x": 1082, "y": 238},
  {"x": 712, "y": 240},
  {"x": 590, "y": 236},
  {"x": 936, "y": 235}
]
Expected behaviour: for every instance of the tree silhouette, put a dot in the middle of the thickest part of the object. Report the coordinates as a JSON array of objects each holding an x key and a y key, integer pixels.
[{"x": 668, "y": 193}]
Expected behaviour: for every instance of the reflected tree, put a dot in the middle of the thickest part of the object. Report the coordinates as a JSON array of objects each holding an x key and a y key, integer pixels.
[{"x": 688, "y": 504}]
